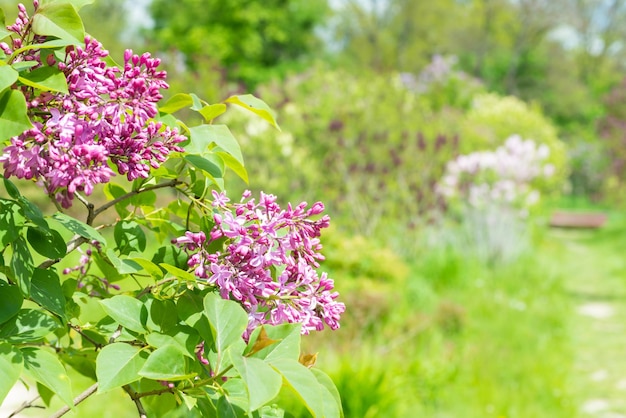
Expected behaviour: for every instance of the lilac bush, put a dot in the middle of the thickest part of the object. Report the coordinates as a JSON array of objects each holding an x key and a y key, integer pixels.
[{"x": 208, "y": 322}]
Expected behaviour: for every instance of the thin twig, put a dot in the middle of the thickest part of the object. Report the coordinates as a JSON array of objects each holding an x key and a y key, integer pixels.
[
  {"x": 136, "y": 399},
  {"x": 28, "y": 404},
  {"x": 85, "y": 336},
  {"x": 87, "y": 393},
  {"x": 93, "y": 214}
]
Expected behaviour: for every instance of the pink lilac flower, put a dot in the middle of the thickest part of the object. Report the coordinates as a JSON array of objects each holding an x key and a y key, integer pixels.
[
  {"x": 268, "y": 263},
  {"x": 106, "y": 117}
]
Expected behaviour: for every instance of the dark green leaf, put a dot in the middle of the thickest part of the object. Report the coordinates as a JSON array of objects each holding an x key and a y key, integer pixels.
[
  {"x": 11, "y": 364},
  {"x": 161, "y": 314},
  {"x": 171, "y": 255},
  {"x": 28, "y": 325},
  {"x": 59, "y": 19},
  {"x": 11, "y": 301},
  {"x": 80, "y": 228},
  {"x": 118, "y": 364},
  {"x": 45, "y": 394},
  {"x": 210, "y": 167},
  {"x": 13, "y": 117},
  {"x": 22, "y": 265},
  {"x": 33, "y": 213},
  {"x": 48, "y": 243},
  {"x": 126, "y": 311},
  {"x": 11, "y": 221},
  {"x": 129, "y": 236},
  {"x": 45, "y": 368},
  {"x": 46, "y": 290},
  {"x": 12, "y": 189}
]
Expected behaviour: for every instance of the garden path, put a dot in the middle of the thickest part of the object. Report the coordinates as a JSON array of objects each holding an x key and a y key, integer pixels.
[{"x": 596, "y": 283}]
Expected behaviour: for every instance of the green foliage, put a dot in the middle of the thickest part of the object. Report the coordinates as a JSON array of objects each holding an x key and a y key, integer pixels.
[
  {"x": 131, "y": 317},
  {"x": 251, "y": 40}
]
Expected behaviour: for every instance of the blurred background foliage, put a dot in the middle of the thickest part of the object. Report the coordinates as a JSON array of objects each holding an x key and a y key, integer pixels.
[{"x": 451, "y": 313}]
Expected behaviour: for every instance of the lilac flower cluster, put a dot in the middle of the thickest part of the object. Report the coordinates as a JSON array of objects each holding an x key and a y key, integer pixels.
[
  {"x": 504, "y": 176},
  {"x": 105, "y": 118},
  {"x": 268, "y": 262}
]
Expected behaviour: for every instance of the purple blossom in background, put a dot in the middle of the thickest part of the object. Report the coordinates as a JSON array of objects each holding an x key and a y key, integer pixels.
[
  {"x": 106, "y": 117},
  {"x": 268, "y": 262}
]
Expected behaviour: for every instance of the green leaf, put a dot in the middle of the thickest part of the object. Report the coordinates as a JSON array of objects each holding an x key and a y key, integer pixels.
[
  {"x": 332, "y": 398},
  {"x": 262, "y": 382},
  {"x": 228, "y": 409},
  {"x": 11, "y": 301},
  {"x": 3, "y": 34},
  {"x": 179, "y": 273},
  {"x": 118, "y": 364},
  {"x": 126, "y": 311},
  {"x": 79, "y": 228},
  {"x": 55, "y": 43},
  {"x": 59, "y": 19},
  {"x": 204, "y": 135},
  {"x": 12, "y": 189},
  {"x": 45, "y": 79},
  {"x": 13, "y": 117},
  {"x": 210, "y": 167},
  {"x": 232, "y": 163},
  {"x": 303, "y": 384},
  {"x": 166, "y": 363},
  {"x": 129, "y": 236},
  {"x": 45, "y": 368},
  {"x": 227, "y": 318},
  {"x": 48, "y": 243},
  {"x": 33, "y": 213},
  {"x": 181, "y": 336},
  {"x": 161, "y": 314},
  {"x": 29, "y": 325},
  {"x": 210, "y": 112},
  {"x": 11, "y": 222},
  {"x": 46, "y": 290},
  {"x": 22, "y": 264},
  {"x": 255, "y": 105},
  {"x": 288, "y": 339},
  {"x": 196, "y": 102},
  {"x": 8, "y": 76},
  {"x": 11, "y": 364},
  {"x": 176, "y": 102},
  {"x": 23, "y": 65}
]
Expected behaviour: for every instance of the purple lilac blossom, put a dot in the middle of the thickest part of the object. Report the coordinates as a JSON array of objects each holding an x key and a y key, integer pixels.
[
  {"x": 268, "y": 262},
  {"x": 105, "y": 120}
]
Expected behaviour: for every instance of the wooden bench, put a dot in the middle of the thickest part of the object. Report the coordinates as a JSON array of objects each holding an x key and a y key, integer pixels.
[{"x": 564, "y": 219}]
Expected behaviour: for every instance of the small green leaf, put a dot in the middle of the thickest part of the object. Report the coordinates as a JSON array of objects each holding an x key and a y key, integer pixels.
[
  {"x": 11, "y": 365},
  {"x": 11, "y": 301},
  {"x": 303, "y": 384},
  {"x": 45, "y": 368},
  {"x": 80, "y": 228},
  {"x": 8, "y": 76},
  {"x": 46, "y": 290},
  {"x": 210, "y": 112},
  {"x": 255, "y": 105},
  {"x": 59, "y": 19},
  {"x": 232, "y": 163},
  {"x": 29, "y": 325},
  {"x": 48, "y": 243},
  {"x": 227, "y": 318},
  {"x": 13, "y": 117},
  {"x": 179, "y": 273},
  {"x": 176, "y": 102},
  {"x": 196, "y": 102},
  {"x": 161, "y": 314},
  {"x": 126, "y": 311},
  {"x": 182, "y": 337},
  {"x": 45, "y": 79},
  {"x": 22, "y": 264},
  {"x": 262, "y": 382},
  {"x": 11, "y": 221},
  {"x": 166, "y": 363},
  {"x": 118, "y": 364},
  {"x": 12, "y": 189},
  {"x": 210, "y": 167}
]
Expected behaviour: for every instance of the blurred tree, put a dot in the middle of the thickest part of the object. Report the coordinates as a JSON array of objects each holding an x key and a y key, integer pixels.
[{"x": 253, "y": 40}]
